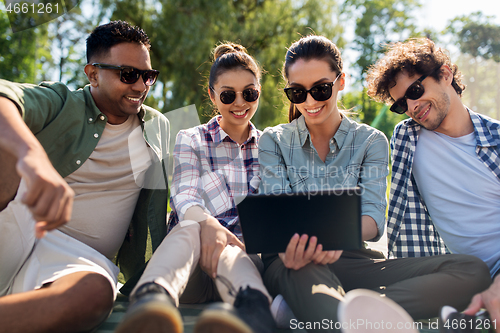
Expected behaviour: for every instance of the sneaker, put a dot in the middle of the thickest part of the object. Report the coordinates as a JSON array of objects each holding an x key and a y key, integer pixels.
[
  {"x": 452, "y": 321},
  {"x": 367, "y": 311},
  {"x": 281, "y": 312},
  {"x": 249, "y": 314},
  {"x": 151, "y": 310}
]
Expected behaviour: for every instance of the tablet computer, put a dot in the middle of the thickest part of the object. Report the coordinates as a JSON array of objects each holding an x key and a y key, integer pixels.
[{"x": 268, "y": 221}]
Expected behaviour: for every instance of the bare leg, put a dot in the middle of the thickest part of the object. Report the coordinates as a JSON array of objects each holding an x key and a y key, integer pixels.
[
  {"x": 77, "y": 302},
  {"x": 9, "y": 181}
]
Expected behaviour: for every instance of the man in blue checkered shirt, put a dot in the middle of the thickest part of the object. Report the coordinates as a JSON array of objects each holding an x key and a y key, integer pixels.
[{"x": 445, "y": 191}]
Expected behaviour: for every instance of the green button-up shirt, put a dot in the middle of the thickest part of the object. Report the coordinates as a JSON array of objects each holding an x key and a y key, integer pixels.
[{"x": 69, "y": 125}]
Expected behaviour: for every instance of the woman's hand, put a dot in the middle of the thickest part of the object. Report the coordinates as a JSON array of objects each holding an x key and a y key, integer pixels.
[
  {"x": 214, "y": 238},
  {"x": 297, "y": 256}
]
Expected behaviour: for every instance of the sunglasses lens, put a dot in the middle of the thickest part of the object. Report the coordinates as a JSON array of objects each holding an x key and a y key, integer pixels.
[
  {"x": 415, "y": 91},
  {"x": 321, "y": 92},
  {"x": 129, "y": 75},
  {"x": 227, "y": 96},
  {"x": 400, "y": 106},
  {"x": 150, "y": 77},
  {"x": 296, "y": 95},
  {"x": 250, "y": 95}
]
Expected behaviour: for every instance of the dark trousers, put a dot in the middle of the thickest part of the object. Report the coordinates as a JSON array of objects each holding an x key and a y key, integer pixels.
[{"x": 420, "y": 285}]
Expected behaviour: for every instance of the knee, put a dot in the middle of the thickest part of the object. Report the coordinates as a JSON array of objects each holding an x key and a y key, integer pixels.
[
  {"x": 477, "y": 271},
  {"x": 100, "y": 294},
  {"x": 93, "y": 298}
]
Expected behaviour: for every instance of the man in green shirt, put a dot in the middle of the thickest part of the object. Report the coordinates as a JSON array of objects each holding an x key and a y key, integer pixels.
[{"x": 83, "y": 180}]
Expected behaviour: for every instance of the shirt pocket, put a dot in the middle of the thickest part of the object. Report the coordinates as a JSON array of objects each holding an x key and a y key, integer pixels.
[
  {"x": 299, "y": 180},
  {"x": 215, "y": 193},
  {"x": 351, "y": 176}
]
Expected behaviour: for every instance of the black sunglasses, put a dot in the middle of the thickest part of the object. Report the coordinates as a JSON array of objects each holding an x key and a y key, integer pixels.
[
  {"x": 228, "y": 96},
  {"x": 130, "y": 75},
  {"x": 414, "y": 92},
  {"x": 320, "y": 92}
]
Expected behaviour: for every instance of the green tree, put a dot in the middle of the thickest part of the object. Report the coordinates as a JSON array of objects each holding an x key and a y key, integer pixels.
[
  {"x": 23, "y": 53},
  {"x": 478, "y": 39},
  {"x": 377, "y": 23},
  {"x": 477, "y": 35}
]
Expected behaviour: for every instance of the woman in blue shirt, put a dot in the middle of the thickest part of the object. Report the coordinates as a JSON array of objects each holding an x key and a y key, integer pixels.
[{"x": 321, "y": 148}]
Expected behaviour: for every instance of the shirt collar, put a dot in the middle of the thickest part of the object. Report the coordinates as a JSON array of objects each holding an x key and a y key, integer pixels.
[
  {"x": 219, "y": 135},
  {"x": 484, "y": 137},
  {"x": 339, "y": 137},
  {"x": 96, "y": 114}
]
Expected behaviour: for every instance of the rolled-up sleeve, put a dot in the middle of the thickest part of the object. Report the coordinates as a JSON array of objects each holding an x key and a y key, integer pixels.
[
  {"x": 373, "y": 180},
  {"x": 186, "y": 186}
]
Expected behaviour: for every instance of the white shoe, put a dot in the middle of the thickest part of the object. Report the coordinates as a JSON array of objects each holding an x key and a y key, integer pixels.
[
  {"x": 366, "y": 311},
  {"x": 281, "y": 312}
]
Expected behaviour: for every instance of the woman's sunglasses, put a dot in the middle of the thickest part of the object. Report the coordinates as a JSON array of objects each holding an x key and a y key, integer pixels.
[
  {"x": 228, "y": 96},
  {"x": 320, "y": 92},
  {"x": 130, "y": 75}
]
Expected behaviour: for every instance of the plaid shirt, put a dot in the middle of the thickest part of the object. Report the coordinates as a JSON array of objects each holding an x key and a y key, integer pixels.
[
  {"x": 409, "y": 227},
  {"x": 211, "y": 170}
]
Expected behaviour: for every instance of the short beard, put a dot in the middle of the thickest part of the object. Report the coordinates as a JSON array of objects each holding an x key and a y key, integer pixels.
[{"x": 441, "y": 109}]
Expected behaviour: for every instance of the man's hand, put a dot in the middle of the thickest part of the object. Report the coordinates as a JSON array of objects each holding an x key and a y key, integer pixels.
[
  {"x": 297, "y": 256},
  {"x": 214, "y": 238},
  {"x": 48, "y": 196},
  {"x": 489, "y": 299}
]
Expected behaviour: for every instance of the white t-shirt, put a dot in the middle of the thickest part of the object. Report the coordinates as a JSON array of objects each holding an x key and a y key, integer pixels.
[
  {"x": 461, "y": 194},
  {"x": 107, "y": 187}
]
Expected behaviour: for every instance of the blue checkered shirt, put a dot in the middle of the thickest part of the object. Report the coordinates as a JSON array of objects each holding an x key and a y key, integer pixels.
[
  {"x": 211, "y": 171},
  {"x": 410, "y": 230}
]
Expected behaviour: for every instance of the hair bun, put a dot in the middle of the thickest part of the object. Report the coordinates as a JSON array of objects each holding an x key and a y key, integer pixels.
[{"x": 226, "y": 48}]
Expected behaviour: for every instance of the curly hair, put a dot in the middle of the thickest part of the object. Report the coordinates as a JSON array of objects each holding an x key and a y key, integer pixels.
[
  {"x": 105, "y": 36},
  {"x": 416, "y": 56}
]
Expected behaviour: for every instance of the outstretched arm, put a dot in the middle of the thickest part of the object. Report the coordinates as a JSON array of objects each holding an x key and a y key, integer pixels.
[{"x": 48, "y": 196}]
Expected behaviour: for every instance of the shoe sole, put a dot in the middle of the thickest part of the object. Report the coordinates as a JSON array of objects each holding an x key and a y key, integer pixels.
[
  {"x": 152, "y": 318},
  {"x": 217, "y": 322},
  {"x": 366, "y": 311}
]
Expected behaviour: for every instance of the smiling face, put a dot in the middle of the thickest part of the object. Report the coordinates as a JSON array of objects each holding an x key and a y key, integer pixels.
[
  {"x": 307, "y": 74},
  {"x": 118, "y": 100},
  {"x": 239, "y": 112},
  {"x": 432, "y": 108}
]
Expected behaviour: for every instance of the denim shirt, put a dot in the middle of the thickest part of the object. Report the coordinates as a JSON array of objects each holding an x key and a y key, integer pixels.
[
  {"x": 358, "y": 156},
  {"x": 69, "y": 125}
]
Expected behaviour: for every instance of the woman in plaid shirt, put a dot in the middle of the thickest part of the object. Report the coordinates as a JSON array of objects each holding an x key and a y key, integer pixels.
[
  {"x": 202, "y": 258},
  {"x": 321, "y": 149}
]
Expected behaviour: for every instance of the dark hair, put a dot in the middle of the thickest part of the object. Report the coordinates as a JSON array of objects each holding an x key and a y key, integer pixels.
[
  {"x": 416, "y": 56},
  {"x": 229, "y": 56},
  {"x": 105, "y": 36},
  {"x": 308, "y": 48}
]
